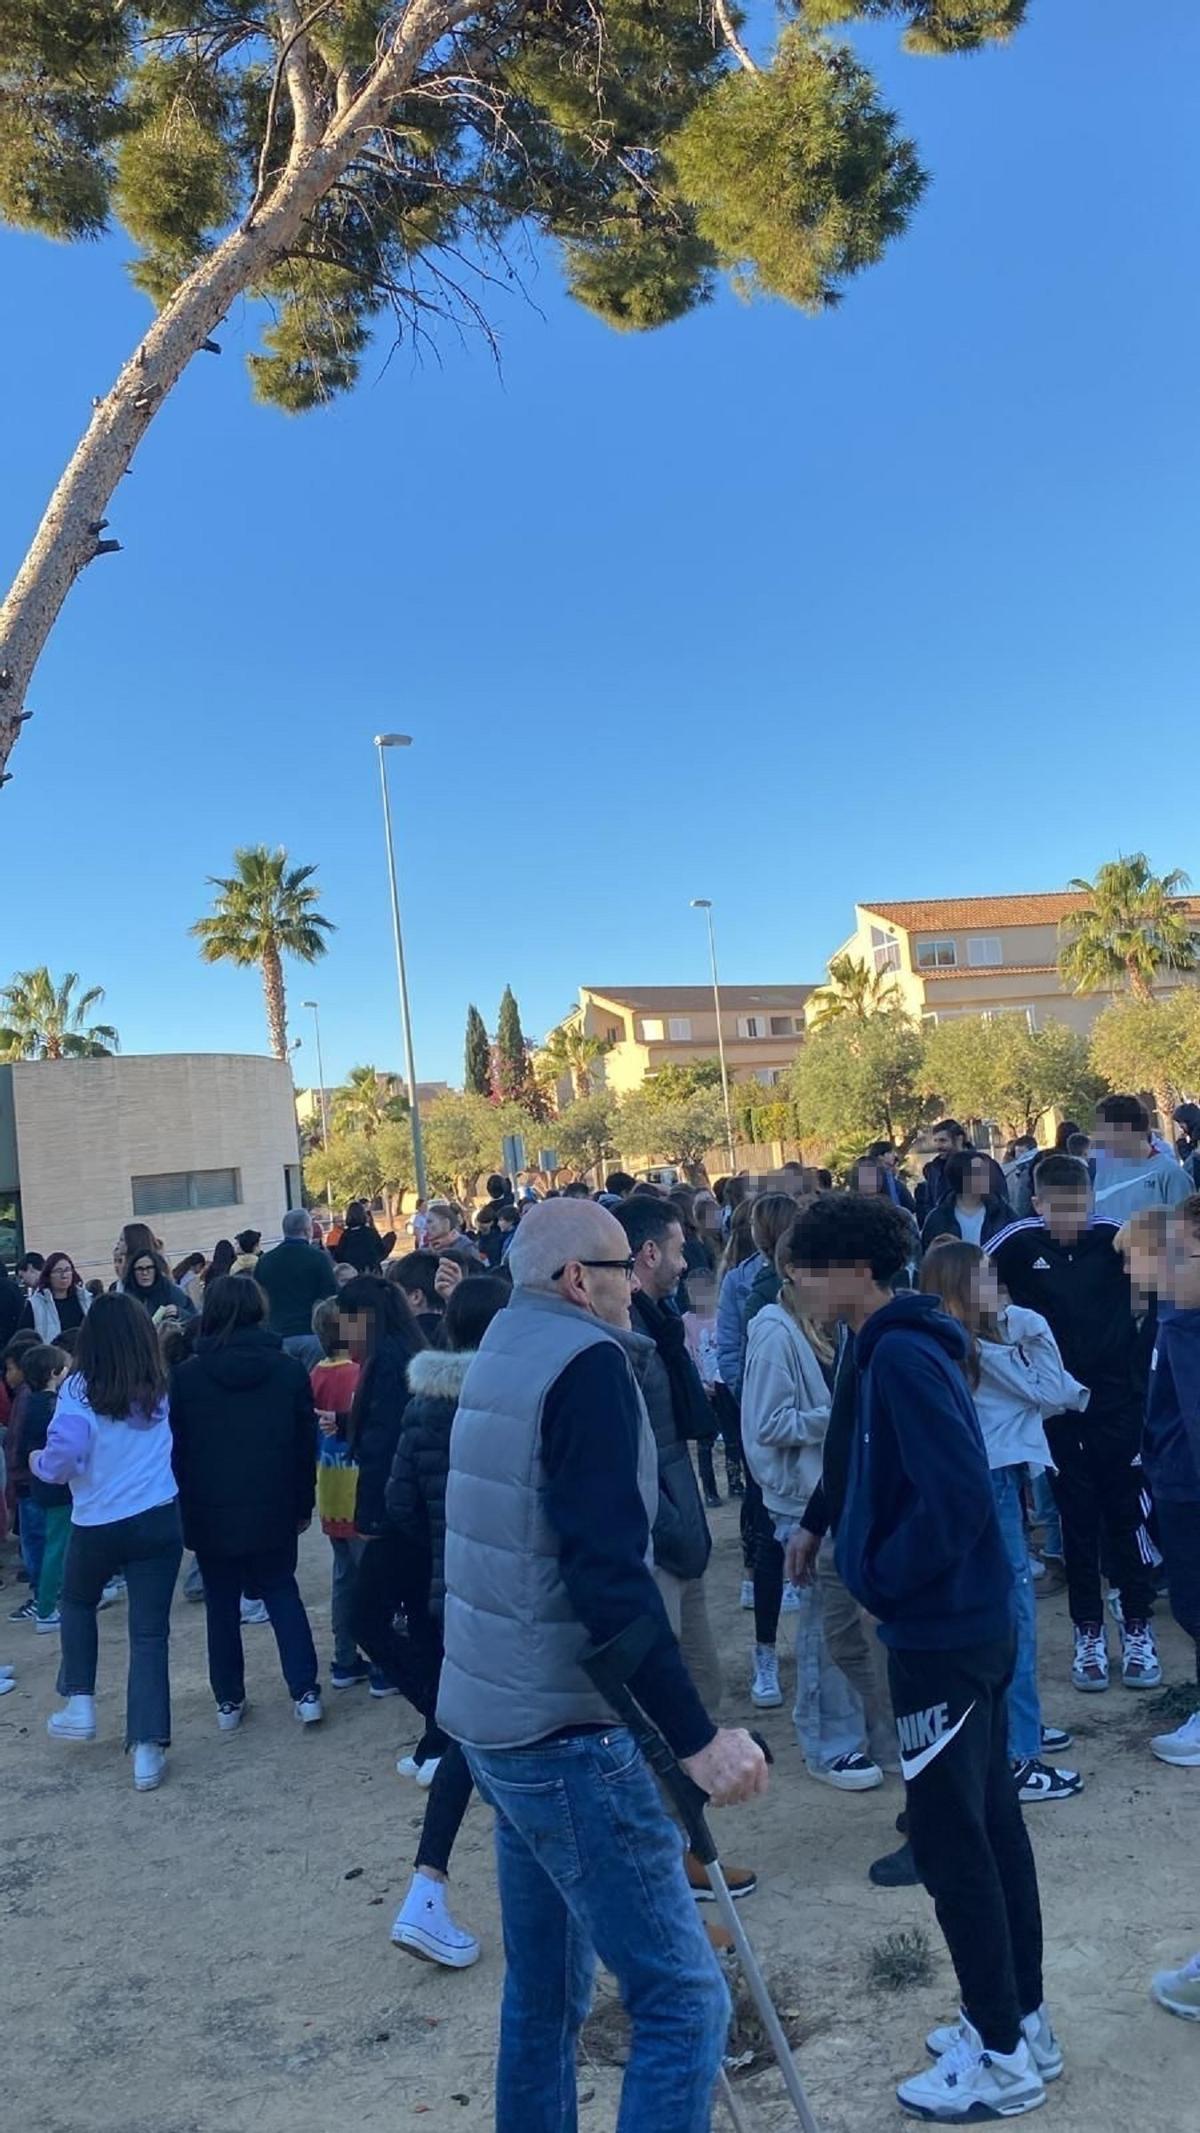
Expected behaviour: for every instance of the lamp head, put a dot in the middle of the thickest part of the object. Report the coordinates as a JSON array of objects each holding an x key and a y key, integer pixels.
[
  {"x": 393, "y": 740},
  {"x": 702, "y": 903}
]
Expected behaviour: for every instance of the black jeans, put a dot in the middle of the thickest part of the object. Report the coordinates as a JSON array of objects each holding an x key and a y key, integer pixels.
[
  {"x": 449, "y": 1796},
  {"x": 148, "y": 1549},
  {"x": 393, "y": 1579},
  {"x": 731, "y": 1437},
  {"x": 763, "y": 1557},
  {"x": 271, "y": 1577},
  {"x": 1098, "y": 1492},
  {"x": 1179, "y": 1539},
  {"x": 967, "y": 1831}
]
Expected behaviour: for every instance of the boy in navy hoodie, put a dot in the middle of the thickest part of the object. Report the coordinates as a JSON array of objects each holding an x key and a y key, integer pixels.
[{"x": 919, "y": 1546}]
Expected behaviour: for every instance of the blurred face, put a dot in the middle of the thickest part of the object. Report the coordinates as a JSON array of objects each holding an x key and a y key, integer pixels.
[
  {"x": 1179, "y": 1278},
  {"x": 145, "y": 1273},
  {"x": 661, "y": 1263},
  {"x": 355, "y": 1328},
  {"x": 1126, "y": 1143},
  {"x": 986, "y": 1293},
  {"x": 28, "y": 1277},
  {"x": 830, "y": 1293},
  {"x": 977, "y": 1181},
  {"x": 12, "y": 1374},
  {"x": 866, "y": 1181},
  {"x": 119, "y": 1259},
  {"x": 1064, "y": 1210}
]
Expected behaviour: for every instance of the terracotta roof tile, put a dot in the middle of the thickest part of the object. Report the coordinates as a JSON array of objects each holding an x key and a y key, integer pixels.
[
  {"x": 991, "y": 970},
  {"x": 682, "y": 999},
  {"x": 968, "y": 912}
]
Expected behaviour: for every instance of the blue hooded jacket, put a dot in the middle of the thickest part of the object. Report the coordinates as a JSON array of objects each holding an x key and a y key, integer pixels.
[
  {"x": 918, "y": 1542},
  {"x": 1171, "y": 1444}
]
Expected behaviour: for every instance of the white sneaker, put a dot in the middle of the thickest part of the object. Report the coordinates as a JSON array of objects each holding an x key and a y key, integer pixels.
[
  {"x": 230, "y": 1716},
  {"x": 6, "y": 1684},
  {"x": 790, "y": 1604},
  {"x": 1037, "y": 2030},
  {"x": 765, "y": 1692},
  {"x": 424, "y": 1927},
  {"x": 424, "y": 1773},
  {"x": 1181, "y": 1747},
  {"x": 149, "y": 1765},
  {"x": 1140, "y": 1665},
  {"x": 309, "y": 1709},
  {"x": 1089, "y": 1673},
  {"x": 46, "y": 1625},
  {"x": 849, "y": 1773},
  {"x": 747, "y": 1600},
  {"x": 1179, "y": 1990},
  {"x": 253, "y": 1614},
  {"x": 969, "y": 2083},
  {"x": 7, "y": 1673},
  {"x": 76, "y": 1720},
  {"x": 113, "y": 1591}
]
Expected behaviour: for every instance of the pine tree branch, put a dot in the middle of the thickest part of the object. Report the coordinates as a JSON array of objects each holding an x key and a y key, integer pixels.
[
  {"x": 723, "y": 16},
  {"x": 284, "y": 63},
  {"x": 293, "y": 60}
]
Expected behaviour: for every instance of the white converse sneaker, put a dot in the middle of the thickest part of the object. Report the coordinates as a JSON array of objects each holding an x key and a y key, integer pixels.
[
  {"x": 849, "y": 1773},
  {"x": 76, "y": 1720},
  {"x": 230, "y": 1715},
  {"x": 969, "y": 2083},
  {"x": 765, "y": 1692},
  {"x": 424, "y": 1927},
  {"x": 747, "y": 1599},
  {"x": 253, "y": 1613},
  {"x": 149, "y": 1765},
  {"x": 1179, "y": 1990},
  {"x": 1140, "y": 1667},
  {"x": 45, "y": 1625},
  {"x": 791, "y": 1601},
  {"x": 1044, "y": 2047},
  {"x": 309, "y": 1708},
  {"x": 1090, "y": 1671},
  {"x": 1181, "y": 1747}
]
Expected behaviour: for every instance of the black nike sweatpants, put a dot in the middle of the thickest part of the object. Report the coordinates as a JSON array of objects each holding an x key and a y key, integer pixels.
[
  {"x": 1098, "y": 1490},
  {"x": 967, "y": 1831}
]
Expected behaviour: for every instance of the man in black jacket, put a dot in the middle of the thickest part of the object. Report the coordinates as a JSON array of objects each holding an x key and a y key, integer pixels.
[
  {"x": 1064, "y": 1263},
  {"x": 297, "y": 1275}
]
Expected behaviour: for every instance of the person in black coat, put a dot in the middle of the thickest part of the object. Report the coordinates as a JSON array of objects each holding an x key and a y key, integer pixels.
[
  {"x": 244, "y": 1431},
  {"x": 416, "y": 1509},
  {"x": 970, "y": 1207},
  {"x": 362, "y": 1247},
  {"x": 12, "y": 1306}
]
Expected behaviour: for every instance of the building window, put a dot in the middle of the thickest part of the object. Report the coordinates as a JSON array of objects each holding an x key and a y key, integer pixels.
[
  {"x": 785, "y": 1025},
  {"x": 768, "y": 1077},
  {"x": 613, "y": 1034},
  {"x": 293, "y": 1185},
  {"x": 174, "y": 1192},
  {"x": 750, "y": 1026},
  {"x": 936, "y": 955},
  {"x": 931, "y": 1020},
  {"x": 1031, "y": 1020},
  {"x": 680, "y": 1027},
  {"x": 984, "y": 953},
  {"x": 885, "y": 949},
  {"x": 652, "y": 1029}
]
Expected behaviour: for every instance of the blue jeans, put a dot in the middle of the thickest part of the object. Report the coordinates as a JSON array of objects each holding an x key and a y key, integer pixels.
[
  {"x": 589, "y": 1864},
  {"x": 347, "y": 1554},
  {"x": 1047, "y": 1514},
  {"x": 147, "y": 1549},
  {"x": 828, "y": 1714},
  {"x": 271, "y": 1577},
  {"x": 1024, "y": 1705},
  {"x": 33, "y": 1539}
]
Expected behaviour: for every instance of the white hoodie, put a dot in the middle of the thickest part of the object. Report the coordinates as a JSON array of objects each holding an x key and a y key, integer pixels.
[
  {"x": 1021, "y": 1381},
  {"x": 785, "y": 1412}
]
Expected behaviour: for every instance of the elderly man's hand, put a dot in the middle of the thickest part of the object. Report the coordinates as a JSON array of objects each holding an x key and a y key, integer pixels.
[{"x": 731, "y": 1768}]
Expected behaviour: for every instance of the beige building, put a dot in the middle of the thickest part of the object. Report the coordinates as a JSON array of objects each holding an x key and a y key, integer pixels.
[
  {"x": 652, "y": 1026},
  {"x": 197, "y": 1144},
  {"x": 977, "y": 955}
]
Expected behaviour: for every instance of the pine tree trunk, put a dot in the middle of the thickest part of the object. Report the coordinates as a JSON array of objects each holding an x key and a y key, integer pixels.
[
  {"x": 276, "y": 999},
  {"x": 70, "y": 535}
]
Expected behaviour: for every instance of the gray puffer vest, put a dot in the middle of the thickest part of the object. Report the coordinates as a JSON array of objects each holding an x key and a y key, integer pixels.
[{"x": 512, "y": 1670}]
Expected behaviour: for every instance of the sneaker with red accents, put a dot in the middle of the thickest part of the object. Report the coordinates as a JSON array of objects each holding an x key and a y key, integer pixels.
[
  {"x": 1090, "y": 1671},
  {"x": 1140, "y": 1667}
]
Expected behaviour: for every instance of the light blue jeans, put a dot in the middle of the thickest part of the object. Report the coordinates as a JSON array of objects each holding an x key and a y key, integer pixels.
[
  {"x": 1047, "y": 1513},
  {"x": 829, "y": 1716},
  {"x": 1024, "y": 1704},
  {"x": 589, "y": 1864}
]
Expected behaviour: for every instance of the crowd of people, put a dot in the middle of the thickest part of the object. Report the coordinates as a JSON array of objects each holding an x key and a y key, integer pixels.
[{"x": 927, "y": 1403}]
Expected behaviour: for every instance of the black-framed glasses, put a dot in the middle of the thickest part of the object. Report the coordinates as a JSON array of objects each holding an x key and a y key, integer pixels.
[{"x": 625, "y": 1266}]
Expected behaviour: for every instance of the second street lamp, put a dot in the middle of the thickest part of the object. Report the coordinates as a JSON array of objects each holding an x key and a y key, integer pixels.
[
  {"x": 383, "y": 741},
  {"x": 321, "y": 1096},
  {"x": 704, "y": 903}
]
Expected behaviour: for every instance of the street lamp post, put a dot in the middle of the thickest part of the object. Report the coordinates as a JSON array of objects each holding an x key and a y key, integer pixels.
[
  {"x": 704, "y": 903},
  {"x": 312, "y": 1004},
  {"x": 382, "y": 741}
]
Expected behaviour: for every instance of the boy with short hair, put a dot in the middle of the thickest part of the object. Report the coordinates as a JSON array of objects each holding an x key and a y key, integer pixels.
[
  {"x": 1063, "y": 1261},
  {"x": 909, "y": 1494}
]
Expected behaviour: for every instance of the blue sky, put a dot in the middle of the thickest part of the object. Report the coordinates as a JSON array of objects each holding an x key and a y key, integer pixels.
[{"x": 787, "y": 613}]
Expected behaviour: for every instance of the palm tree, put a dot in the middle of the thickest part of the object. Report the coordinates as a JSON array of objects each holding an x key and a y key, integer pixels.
[
  {"x": 853, "y": 989},
  {"x": 1134, "y": 924},
  {"x": 368, "y": 1100},
  {"x": 264, "y": 911},
  {"x": 42, "y": 1019},
  {"x": 569, "y": 1051}
]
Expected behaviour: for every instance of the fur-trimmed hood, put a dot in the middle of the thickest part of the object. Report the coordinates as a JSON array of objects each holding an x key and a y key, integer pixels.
[{"x": 439, "y": 1373}]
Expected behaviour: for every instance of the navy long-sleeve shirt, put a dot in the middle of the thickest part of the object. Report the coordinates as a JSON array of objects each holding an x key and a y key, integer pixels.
[{"x": 590, "y": 1433}]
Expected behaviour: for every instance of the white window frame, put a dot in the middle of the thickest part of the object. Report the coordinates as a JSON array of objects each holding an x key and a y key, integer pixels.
[
  {"x": 679, "y": 1029},
  {"x": 885, "y": 949},
  {"x": 930, "y": 955},
  {"x": 977, "y": 960},
  {"x": 751, "y": 1027},
  {"x": 654, "y": 1029}
]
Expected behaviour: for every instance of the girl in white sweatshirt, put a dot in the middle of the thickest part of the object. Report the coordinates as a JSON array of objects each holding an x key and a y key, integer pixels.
[
  {"x": 1017, "y": 1378},
  {"x": 785, "y": 1414}
]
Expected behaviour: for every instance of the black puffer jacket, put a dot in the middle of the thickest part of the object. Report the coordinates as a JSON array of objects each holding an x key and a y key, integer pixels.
[
  {"x": 375, "y": 1420},
  {"x": 363, "y": 1248},
  {"x": 244, "y": 1437},
  {"x": 416, "y": 1490}
]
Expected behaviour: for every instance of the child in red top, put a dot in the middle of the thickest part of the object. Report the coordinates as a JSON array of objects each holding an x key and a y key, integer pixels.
[{"x": 334, "y": 1381}]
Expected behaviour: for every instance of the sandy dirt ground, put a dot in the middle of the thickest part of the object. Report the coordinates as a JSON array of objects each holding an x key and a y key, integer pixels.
[{"x": 214, "y": 1957}]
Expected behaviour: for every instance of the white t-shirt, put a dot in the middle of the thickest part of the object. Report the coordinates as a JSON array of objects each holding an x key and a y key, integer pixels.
[{"x": 970, "y": 1226}]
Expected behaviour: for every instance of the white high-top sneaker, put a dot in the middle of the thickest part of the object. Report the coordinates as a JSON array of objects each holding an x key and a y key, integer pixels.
[
  {"x": 76, "y": 1720},
  {"x": 149, "y": 1765},
  {"x": 765, "y": 1692},
  {"x": 969, "y": 2082},
  {"x": 424, "y": 1927}
]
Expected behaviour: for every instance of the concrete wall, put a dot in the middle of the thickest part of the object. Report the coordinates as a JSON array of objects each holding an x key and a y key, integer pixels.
[{"x": 86, "y": 1127}]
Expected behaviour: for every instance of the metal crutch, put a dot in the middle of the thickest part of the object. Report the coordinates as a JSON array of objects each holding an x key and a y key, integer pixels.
[{"x": 611, "y": 1667}]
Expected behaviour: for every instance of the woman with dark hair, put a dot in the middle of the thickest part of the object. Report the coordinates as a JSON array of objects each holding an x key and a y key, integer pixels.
[
  {"x": 361, "y": 1245},
  {"x": 110, "y": 1441},
  {"x": 381, "y": 1334},
  {"x": 416, "y": 1509},
  {"x": 245, "y": 1434},
  {"x": 148, "y": 1281},
  {"x": 59, "y": 1303},
  {"x": 969, "y": 1209},
  {"x": 248, "y": 1253}
]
